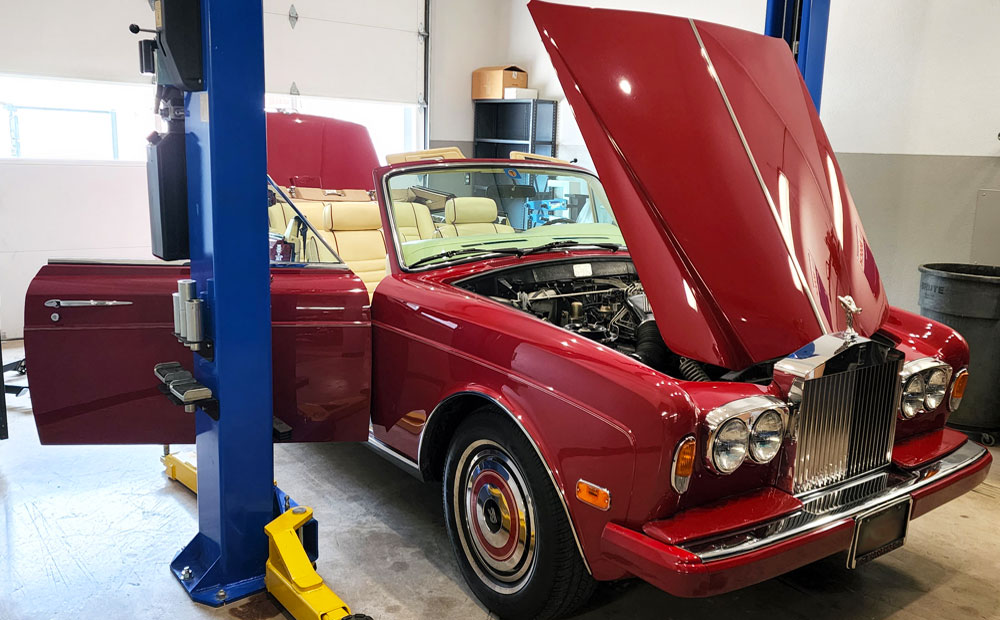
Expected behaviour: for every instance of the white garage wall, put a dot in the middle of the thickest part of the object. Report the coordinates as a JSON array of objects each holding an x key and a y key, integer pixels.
[
  {"x": 913, "y": 77},
  {"x": 54, "y": 209},
  {"x": 465, "y": 35},
  {"x": 910, "y": 103}
]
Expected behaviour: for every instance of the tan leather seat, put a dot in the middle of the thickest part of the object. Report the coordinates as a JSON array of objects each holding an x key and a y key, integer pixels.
[
  {"x": 413, "y": 221},
  {"x": 278, "y": 217},
  {"x": 471, "y": 215},
  {"x": 356, "y": 229},
  {"x": 316, "y": 252}
]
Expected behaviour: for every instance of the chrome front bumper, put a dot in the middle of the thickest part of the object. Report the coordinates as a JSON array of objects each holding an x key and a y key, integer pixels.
[{"x": 830, "y": 505}]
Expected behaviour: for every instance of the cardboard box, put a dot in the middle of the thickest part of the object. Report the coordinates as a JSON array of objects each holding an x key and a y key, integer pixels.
[
  {"x": 489, "y": 82},
  {"x": 520, "y": 93}
]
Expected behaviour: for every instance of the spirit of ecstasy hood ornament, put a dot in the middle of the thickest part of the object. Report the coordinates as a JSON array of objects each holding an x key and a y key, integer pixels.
[{"x": 850, "y": 309}]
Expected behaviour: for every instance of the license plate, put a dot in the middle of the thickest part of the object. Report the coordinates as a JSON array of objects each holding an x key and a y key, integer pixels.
[{"x": 879, "y": 531}]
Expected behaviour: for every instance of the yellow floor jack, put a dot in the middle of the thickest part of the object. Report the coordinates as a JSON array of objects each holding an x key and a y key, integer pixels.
[{"x": 290, "y": 576}]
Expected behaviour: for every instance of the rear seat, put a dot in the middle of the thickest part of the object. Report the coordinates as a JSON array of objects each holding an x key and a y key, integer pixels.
[
  {"x": 355, "y": 230},
  {"x": 413, "y": 221},
  {"x": 471, "y": 215}
]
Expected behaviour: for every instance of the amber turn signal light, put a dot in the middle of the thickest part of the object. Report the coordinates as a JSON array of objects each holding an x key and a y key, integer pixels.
[
  {"x": 590, "y": 493},
  {"x": 683, "y": 465},
  {"x": 958, "y": 389}
]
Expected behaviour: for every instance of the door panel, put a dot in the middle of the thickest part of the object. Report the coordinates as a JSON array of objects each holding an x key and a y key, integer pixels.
[
  {"x": 322, "y": 322},
  {"x": 91, "y": 371},
  {"x": 92, "y": 377}
]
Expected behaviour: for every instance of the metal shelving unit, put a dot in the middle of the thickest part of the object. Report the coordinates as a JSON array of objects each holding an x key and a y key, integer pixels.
[{"x": 505, "y": 125}]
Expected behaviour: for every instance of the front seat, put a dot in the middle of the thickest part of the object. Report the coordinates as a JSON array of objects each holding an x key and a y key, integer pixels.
[
  {"x": 413, "y": 221},
  {"x": 356, "y": 229},
  {"x": 471, "y": 215}
]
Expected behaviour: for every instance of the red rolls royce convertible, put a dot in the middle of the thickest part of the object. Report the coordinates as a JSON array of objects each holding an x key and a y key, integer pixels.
[{"x": 687, "y": 371}]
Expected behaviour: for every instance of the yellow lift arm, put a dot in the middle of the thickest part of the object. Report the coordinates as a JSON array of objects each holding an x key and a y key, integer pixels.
[{"x": 290, "y": 576}]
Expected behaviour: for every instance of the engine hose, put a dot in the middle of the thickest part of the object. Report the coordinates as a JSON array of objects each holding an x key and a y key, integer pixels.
[
  {"x": 692, "y": 370},
  {"x": 649, "y": 346}
]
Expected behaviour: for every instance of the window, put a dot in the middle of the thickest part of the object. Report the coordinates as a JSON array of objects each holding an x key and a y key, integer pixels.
[{"x": 48, "y": 118}]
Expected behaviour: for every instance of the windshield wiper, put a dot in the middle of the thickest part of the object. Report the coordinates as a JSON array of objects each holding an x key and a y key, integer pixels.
[
  {"x": 463, "y": 251},
  {"x": 554, "y": 245}
]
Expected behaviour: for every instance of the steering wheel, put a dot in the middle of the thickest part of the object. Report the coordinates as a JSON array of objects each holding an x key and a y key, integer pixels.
[{"x": 559, "y": 220}]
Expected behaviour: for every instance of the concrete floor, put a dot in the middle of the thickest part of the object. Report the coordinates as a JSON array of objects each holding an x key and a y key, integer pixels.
[{"x": 88, "y": 532}]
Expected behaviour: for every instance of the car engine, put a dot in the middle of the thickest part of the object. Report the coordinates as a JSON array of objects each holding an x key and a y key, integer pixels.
[{"x": 602, "y": 300}]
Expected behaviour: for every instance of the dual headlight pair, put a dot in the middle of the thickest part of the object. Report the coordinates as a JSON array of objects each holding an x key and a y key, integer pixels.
[
  {"x": 751, "y": 428},
  {"x": 754, "y": 427},
  {"x": 925, "y": 386}
]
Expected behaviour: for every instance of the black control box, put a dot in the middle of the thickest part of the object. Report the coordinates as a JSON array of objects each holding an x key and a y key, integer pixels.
[{"x": 166, "y": 175}]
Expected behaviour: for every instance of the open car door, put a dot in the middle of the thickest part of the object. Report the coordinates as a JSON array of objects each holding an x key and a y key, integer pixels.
[{"x": 93, "y": 332}]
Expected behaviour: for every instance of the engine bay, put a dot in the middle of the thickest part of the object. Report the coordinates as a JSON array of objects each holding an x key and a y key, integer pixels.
[{"x": 602, "y": 300}]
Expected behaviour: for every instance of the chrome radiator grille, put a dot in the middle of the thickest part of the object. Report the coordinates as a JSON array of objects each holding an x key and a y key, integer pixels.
[{"x": 846, "y": 423}]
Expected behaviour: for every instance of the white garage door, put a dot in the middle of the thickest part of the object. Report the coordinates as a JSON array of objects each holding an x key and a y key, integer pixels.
[{"x": 346, "y": 49}]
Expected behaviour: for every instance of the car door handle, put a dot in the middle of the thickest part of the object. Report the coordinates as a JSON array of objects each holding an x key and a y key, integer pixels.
[{"x": 79, "y": 303}]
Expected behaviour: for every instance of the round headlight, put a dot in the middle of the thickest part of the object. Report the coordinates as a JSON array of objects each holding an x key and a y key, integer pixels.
[
  {"x": 765, "y": 438},
  {"x": 937, "y": 387},
  {"x": 913, "y": 396},
  {"x": 730, "y": 446}
]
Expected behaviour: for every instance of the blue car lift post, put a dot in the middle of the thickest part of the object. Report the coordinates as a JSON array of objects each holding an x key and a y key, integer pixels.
[
  {"x": 250, "y": 534},
  {"x": 803, "y": 25},
  {"x": 226, "y": 168}
]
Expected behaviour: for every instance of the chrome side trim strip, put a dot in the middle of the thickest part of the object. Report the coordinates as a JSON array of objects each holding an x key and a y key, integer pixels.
[
  {"x": 789, "y": 242},
  {"x": 85, "y": 303},
  {"x": 137, "y": 262},
  {"x": 836, "y": 503},
  {"x": 330, "y": 308},
  {"x": 379, "y": 447},
  {"x": 531, "y": 440}
]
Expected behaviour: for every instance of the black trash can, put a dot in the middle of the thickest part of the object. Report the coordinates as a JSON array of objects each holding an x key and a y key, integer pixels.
[{"x": 967, "y": 298}]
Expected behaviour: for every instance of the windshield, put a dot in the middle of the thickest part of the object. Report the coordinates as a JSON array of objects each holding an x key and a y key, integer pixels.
[{"x": 473, "y": 212}]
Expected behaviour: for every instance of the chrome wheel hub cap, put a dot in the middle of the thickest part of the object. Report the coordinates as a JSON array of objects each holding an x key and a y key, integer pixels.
[{"x": 496, "y": 516}]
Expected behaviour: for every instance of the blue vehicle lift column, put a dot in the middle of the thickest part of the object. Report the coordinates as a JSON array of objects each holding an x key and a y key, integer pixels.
[
  {"x": 226, "y": 172},
  {"x": 803, "y": 25}
]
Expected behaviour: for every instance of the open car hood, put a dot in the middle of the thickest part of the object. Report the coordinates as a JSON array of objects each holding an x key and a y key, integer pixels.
[{"x": 725, "y": 184}]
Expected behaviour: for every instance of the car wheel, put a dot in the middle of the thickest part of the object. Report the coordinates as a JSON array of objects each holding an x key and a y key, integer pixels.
[{"x": 508, "y": 527}]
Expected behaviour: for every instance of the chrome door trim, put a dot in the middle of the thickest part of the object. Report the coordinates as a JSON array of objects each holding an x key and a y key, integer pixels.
[
  {"x": 85, "y": 303},
  {"x": 134, "y": 262},
  {"x": 322, "y": 308},
  {"x": 531, "y": 440}
]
